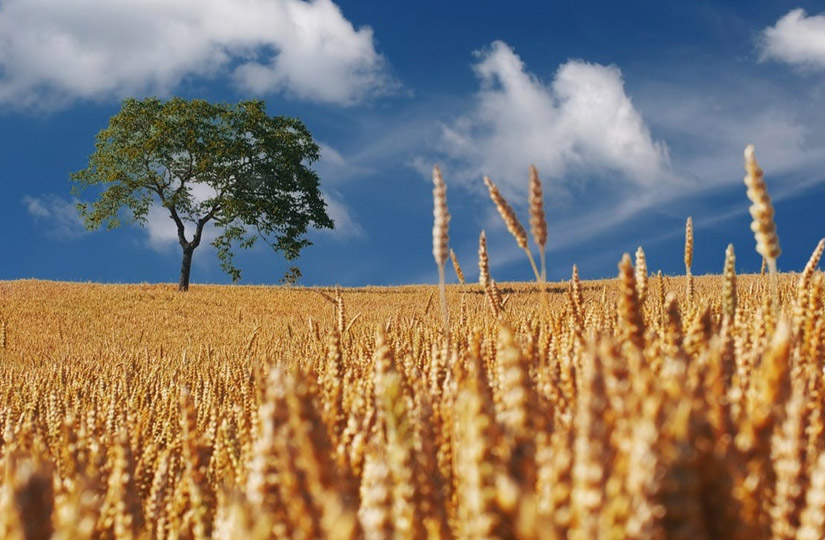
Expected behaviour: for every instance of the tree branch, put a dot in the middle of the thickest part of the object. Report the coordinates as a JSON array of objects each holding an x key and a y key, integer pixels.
[
  {"x": 181, "y": 229},
  {"x": 196, "y": 240}
]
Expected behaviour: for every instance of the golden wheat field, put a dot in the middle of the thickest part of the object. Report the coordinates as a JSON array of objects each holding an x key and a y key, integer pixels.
[
  {"x": 640, "y": 407},
  {"x": 622, "y": 408}
]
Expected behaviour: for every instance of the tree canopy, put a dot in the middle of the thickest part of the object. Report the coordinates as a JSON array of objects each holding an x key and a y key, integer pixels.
[{"x": 234, "y": 165}]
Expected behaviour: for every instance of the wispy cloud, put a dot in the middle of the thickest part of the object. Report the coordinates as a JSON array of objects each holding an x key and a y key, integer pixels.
[
  {"x": 54, "y": 51},
  {"x": 346, "y": 227},
  {"x": 707, "y": 131},
  {"x": 58, "y": 216},
  {"x": 797, "y": 39},
  {"x": 334, "y": 170}
]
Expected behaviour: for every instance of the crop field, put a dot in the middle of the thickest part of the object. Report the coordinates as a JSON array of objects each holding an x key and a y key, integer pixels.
[
  {"x": 611, "y": 409},
  {"x": 643, "y": 407}
]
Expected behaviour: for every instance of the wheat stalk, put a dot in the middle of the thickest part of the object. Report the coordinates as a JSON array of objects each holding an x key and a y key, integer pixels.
[
  {"x": 538, "y": 222},
  {"x": 763, "y": 225},
  {"x": 688, "y": 244},
  {"x": 457, "y": 267},
  {"x": 729, "y": 298},
  {"x": 513, "y": 224},
  {"x": 441, "y": 222},
  {"x": 641, "y": 275},
  {"x": 689, "y": 257},
  {"x": 483, "y": 260},
  {"x": 630, "y": 307},
  {"x": 761, "y": 210}
]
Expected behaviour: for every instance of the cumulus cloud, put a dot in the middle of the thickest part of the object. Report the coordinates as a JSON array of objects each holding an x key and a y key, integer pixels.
[
  {"x": 582, "y": 123},
  {"x": 55, "y": 51},
  {"x": 57, "y": 214},
  {"x": 797, "y": 39}
]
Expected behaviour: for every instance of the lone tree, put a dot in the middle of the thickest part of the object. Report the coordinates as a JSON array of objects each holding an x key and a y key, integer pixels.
[{"x": 232, "y": 165}]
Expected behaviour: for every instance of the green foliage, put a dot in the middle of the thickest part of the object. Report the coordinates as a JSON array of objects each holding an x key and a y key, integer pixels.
[
  {"x": 291, "y": 277},
  {"x": 234, "y": 165}
]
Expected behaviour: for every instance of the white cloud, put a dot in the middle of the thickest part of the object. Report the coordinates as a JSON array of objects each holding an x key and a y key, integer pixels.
[
  {"x": 583, "y": 122},
  {"x": 796, "y": 39},
  {"x": 163, "y": 234},
  {"x": 56, "y": 50},
  {"x": 346, "y": 227},
  {"x": 56, "y": 213}
]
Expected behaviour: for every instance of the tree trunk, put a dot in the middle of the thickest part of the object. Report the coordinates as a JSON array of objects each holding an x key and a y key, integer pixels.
[{"x": 185, "y": 267}]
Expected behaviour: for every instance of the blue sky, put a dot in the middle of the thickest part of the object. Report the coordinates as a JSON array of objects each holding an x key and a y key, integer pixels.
[{"x": 635, "y": 113}]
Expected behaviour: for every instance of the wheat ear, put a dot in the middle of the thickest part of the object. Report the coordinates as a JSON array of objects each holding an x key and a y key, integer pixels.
[
  {"x": 630, "y": 312},
  {"x": 688, "y": 244},
  {"x": 810, "y": 267},
  {"x": 804, "y": 283},
  {"x": 641, "y": 275},
  {"x": 763, "y": 225},
  {"x": 483, "y": 260},
  {"x": 729, "y": 298},
  {"x": 513, "y": 225},
  {"x": 538, "y": 221},
  {"x": 457, "y": 267},
  {"x": 441, "y": 223},
  {"x": 689, "y": 257}
]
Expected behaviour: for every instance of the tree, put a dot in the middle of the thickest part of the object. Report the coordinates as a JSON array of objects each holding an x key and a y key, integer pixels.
[{"x": 232, "y": 165}]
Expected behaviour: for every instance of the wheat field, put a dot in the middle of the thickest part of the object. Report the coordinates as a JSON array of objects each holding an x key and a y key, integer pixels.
[
  {"x": 582, "y": 411},
  {"x": 639, "y": 407}
]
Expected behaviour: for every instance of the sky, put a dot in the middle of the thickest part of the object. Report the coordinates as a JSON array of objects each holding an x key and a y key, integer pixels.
[{"x": 636, "y": 115}]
